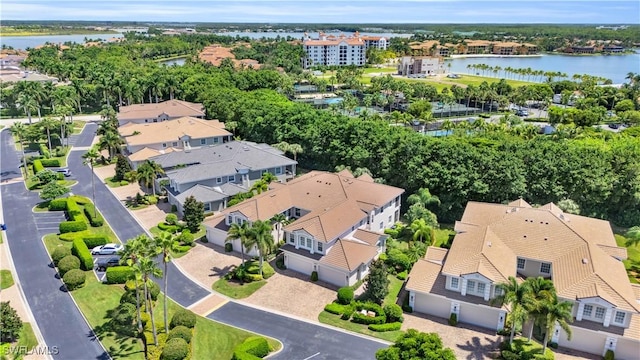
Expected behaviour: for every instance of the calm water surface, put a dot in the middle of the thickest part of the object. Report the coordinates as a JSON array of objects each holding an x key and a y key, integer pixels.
[{"x": 23, "y": 42}]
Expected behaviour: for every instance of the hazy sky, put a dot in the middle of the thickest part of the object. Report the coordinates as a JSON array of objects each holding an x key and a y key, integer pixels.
[{"x": 318, "y": 11}]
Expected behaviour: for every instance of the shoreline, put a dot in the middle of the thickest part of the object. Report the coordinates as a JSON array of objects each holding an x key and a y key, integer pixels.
[
  {"x": 463, "y": 56},
  {"x": 32, "y": 34}
]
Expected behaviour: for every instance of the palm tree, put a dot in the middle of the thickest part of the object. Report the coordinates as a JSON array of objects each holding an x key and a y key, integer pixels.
[
  {"x": 295, "y": 149},
  {"x": 560, "y": 312},
  {"x": 90, "y": 158},
  {"x": 133, "y": 250},
  {"x": 268, "y": 177},
  {"x": 148, "y": 172},
  {"x": 19, "y": 130},
  {"x": 261, "y": 237},
  {"x": 28, "y": 103},
  {"x": 633, "y": 236},
  {"x": 148, "y": 268},
  {"x": 166, "y": 243},
  {"x": 421, "y": 230},
  {"x": 259, "y": 186},
  {"x": 540, "y": 290},
  {"x": 279, "y": 220},
  {"x": 424, "y": 197},
  {"x": 47, "y": 123},
  {"x": 111, "y": 141},
  {"x": 239, "y": 232},
  {"x": 513, "y": 294}
]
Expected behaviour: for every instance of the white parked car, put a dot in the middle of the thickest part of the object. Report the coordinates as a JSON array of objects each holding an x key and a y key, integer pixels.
[{"x": 108, "y": 249}]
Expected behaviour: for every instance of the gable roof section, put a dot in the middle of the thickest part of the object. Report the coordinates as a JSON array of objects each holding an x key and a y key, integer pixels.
[
  {"x": 348, "y": 255},
  {"x": 169, "y": 131},
  {"x": 370, "y": 237},
  {"x": 329, "y": 223},
  {"x": 147, "y": 153},
  {"x": 173, "y": 108}
]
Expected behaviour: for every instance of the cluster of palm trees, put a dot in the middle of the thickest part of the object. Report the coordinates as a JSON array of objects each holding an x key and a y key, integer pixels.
[
  {"x": 141, "y": 254},
  {"x": 108, "y": 130},
  {"x": 517, "y": 73},
  {"x": 35, "y": 97},
  {"x": 258, "y": 234},
  {"x": 535, "y": 300}
]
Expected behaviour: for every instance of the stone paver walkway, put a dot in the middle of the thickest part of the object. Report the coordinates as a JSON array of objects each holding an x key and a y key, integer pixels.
[{"x": 207, "y": 305}]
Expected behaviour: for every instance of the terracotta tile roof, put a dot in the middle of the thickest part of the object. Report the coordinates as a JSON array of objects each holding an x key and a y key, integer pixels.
[
  {"x": 328, "y": 223},
  {"x": 214, "y": 54},
  {"x": 348, "y": 255},
  {"x": 147, "y": 153},
  {"x": 435, "y": 254},
  {"x": 370, "y": 237},
  {"x": 423, "y": 276},
  {"x": 365, "y": 177},
  {"x": 173, "y": 108},
  {"x": 580, "y": 249},
  {"x": 172, "y": 130}
]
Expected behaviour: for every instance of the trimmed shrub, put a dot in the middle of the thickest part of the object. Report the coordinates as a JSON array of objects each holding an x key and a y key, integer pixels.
[
  {"x": 393, "y": 313},
  {"x": 335, "y": 308},
  {"x": 94, "y": 240},
  {"x": 37, "y": 166},
  {"x": 124, "y": 183},
  {"x": 73, "y": 209},
  {"x": 360, "y": 318},
  {"x": 174, "y": 208},
  {"x": 59, "y": 253},
  {"x": 609, "y": 355},
  {"x": 50, "y": 162},
  {"x": 314, "y": 276},
  {"x": 58, "y": 204},
  {"x": 228, "y": 247},
  {"x": 42, "y": 149},
  {"x": 168, "y": 228},
  {"x": 124, "y": 314},
  {"x": 80, "y": 200},
  {"x": 453, "y": 319},
  {"x": 402, "y": 275},
  {"x": 74, "y": 279},
  {"x": 175, "y": 349},
  {"x": 60, "y": 176},
  {"x": 186, "y": 237},
  {"x": 95, "y": 219},
  {"x": 253, "y": 345},
  {"x": 267, "y": 270},
  {"x": 398, "y": 260},
  {"x": 345, "y": 295},
  {"x": 80, "y": 250},
  {"x": 183, "y": 317},
  {"x": 393, "y": 326},
  {"x": 72, "y": 226},
  {"x": 71, "y": 236},
  {"x": 348, "y": 312},
  {"x": 183, "y": 248},
  {"x": 171, "y": 219},
  {"x": 68, "y": 263},
  {"x": 247, "y": 277},
  {"x": 182, "y": 332},
  {"x": 120, "y": 275}
]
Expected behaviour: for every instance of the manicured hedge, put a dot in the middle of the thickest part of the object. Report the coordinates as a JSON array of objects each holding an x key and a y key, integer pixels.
[
  {"x": 360, "y": 318},
  {"x": 336, "y": 308},
  {"x": 95, "y": 219},
  {"x": 73, "y": 208},
  {"x": 81, "y": 200},
  {"x": 175, "y": 349},
  {"x": 59, "y": 253},
  {"x": 74, "y": 279},
  {"x": 243, "y": 356},
  {"x": 182, "y": 332},
  {"x": 58, "y": 204},
  {"x": 72, "y": 226},
  {"x": 168, "y": 228},
  {"x": 393, "y": 313},
  {"x": 345, "y": 295},
  {"x": 80, "y": 250},
  {"x": 385, "y": 327},
  {"x": 94, "y": 240},
  {"x": 183, "y": 317},
  {"x": 37, "y": 166},
  {"x": 253, "y": 345},
  {"x": 50, "y": 162},
  {"x": 42, "y": 149},
  {"x": 314, "y": 276},
  {"x": 70, "y": 236},
  {"x": 119, "y": 275},
  {"x": 68, "y": 263}
]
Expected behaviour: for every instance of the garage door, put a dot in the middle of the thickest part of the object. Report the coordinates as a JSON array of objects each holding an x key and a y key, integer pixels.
[
  {"x": 299, "y": 264},
  {"x": 432, "y": 305},
  {"x": 478, "y": 315},
  {"x": 332, "y": 276},
  {"x": 216, "y": 236}
]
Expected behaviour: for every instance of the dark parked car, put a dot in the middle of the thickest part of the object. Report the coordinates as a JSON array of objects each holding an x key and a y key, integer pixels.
[
  {"x": 614, "y": 126},
  {"x": 104, "y": 263}
]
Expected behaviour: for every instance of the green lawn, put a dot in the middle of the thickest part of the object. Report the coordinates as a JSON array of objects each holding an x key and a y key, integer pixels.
[
  {"x": 334, "y": 320},
  {"x": 236, "y": 290},
  {"x": 6, "y": 280},
  {"x": 633, "y": 259},
  {"x": 442, "y": 235},
  {"x": 78, "y": 125},
  {"x": 394, "y": 289},
  {"x": 380, "y": 70},
  {"x": 112, "y": 183},
  {"x": 26, "y": 341}
]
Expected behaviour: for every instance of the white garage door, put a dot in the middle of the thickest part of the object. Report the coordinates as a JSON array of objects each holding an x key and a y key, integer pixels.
[
  {"x": 332, "y": 276},
  {"x": 216, "y": 236},
  {"x": 478, "y": 315},
  {"x": 299, "y": 264},
  {"x": 432, "y": 305}
]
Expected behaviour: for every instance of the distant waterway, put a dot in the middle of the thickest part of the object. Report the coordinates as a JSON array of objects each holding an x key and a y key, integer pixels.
[
  {"x": 300, "y": 35},
  {"x": 614, "y": 67},
  {"x": 24, "y": 42}
]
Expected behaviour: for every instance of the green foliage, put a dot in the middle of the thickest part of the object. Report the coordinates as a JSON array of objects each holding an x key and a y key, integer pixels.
[
  {"x": 186, "y": 238},
  {"x": 521, "y": 348},
  {"x": 314, "y": 276},
  {"x": 67, "y": 263},
  {"x": 80, "y": 250},
  {"x": 124, "y": 314},
  {"x": 50, "y": 162},
  {"x": 416, "y": 345},
  {"x": 37, "y": 166},
  {"x": 58, "y": 205},
  {"x": 255, "y": 345},
  {"x": 95, "y": 218},
  {"x": 122, "y": 168},
  {"x": 119, "y": 275},
  {"x": 72, "y": 208},
  {"x": 609, "y": 355},
  {"x": 377, "y": 285},
  {"x": 42, "y": 149},
  {"x": 345, "y": 295},
  {"x": 398, "y": 260},
  {"x": 228, "y": 247},
  {"x": 393, "y": 313},
  {"x": 392, "y": 326},
  {"x": 335, "y": 308},
  {"x": 53, "y": 190},
  {"x": 168, "y": 228},
  {"x": 453, "y": 319},
  {"x": 59, "y": 253},
  {"x": 175, "y": 349},
  {"x": 360, "y": 318},
  {"x": 46, "y": 176},
  {"x": 74, "y": 279},
  {"x": 402, "y": 275},
  {"x": 193, "y": 213},
  {"x": 183, "y": 317},
  {"x": 72, "y": 226},
  {"x": 94, "y": 240},
  {"x": 182, "y": 332},
  {"x": 171, "y": 219},
  {"x": 10, "y": 323}
]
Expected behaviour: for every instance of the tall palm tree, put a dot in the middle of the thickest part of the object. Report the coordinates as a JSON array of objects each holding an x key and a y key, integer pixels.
[
  {"x": 111, "y": 141},
  {"x": 239, "y": 232},
  {"x": 560, "y": 312},
  {"x": 633, "y": 236},
  {"x": 424, "y": 197},
  {"x": 165, "y": 242},
  {"x": 259, "y": 186},
  {"x": 147, "y": 267},
  {"x": 148, "y": 172},
  {"x": 269, "y": 177},
  {"x": 421, "y": 231},
  {"x": 47, "y": 123},
  {"x": 261, "y": 237},
  {"x": 89, "y": 158},
  {"x": 133, "y": 250},
  {"x": 28, "y": 103},
  {"x": 540, "y": 291},
  {"x": 513, "y": 294},
  {"x": 19, "y": 130},
  {"x": 279, "y": 220}
]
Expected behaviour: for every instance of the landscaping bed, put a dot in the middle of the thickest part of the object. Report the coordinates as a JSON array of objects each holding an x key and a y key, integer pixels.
[
  {"x": 6, "y": 280},
  {"x": 244, "y": 280}
]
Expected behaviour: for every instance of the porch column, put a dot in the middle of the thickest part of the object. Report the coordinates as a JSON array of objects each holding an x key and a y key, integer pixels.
[
  {"x": 487, "y": 292},
  {"x": 555, "y": 336},
  {"x": 607, "y": 317},
  {"x": 463, "y": 290},
  {"x": 580, "y": 311},
  {"x": 295, "y": 239},
  {"x": 312, "y": 245}
]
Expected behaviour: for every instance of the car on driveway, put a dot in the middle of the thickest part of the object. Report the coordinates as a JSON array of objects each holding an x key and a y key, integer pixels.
[
  {"x": 103, "y": 263},
  {"x": 65, "y": 172},
  {"x": 522, "y": 112},
  {"x": 108, "y": 249}
]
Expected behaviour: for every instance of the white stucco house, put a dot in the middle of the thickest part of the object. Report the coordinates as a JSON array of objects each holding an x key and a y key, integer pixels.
[
  {"x": 337, "y": 222},
  {"x": 579, "y": 254}
]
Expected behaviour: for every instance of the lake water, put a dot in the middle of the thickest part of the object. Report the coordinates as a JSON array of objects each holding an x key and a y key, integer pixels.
[
  {"x": 300, "y": 35},
  {"x": 23, "y": 42},
  {"x": 614, "y": 67}
]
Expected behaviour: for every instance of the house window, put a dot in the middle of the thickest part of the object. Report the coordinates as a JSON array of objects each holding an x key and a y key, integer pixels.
[
  {"x": 455, "y": 282},
  {"x": 498, "y": 291},
  {"x": 320, "y": 247},
  {"x": 278, "y": 170},
  {"x": 203, "y": 141},
  {"x": 619, "y": 318},
  {"x": 164, "y": 145},
  {"x": 309, "y": 243},
  {"x": 481, "y": 287},
  {"x": 389, "y": 218},
  {"x": 219, "y": 180},
  {"x": 292, "y": 238},
  {"x": 296, "y": 212},
  {"x": 600, "y": 313},
  {"x": 215, "y": 140},
  {"x": 545, "y": 268},
  {"x": 587, "y": 311},
  {"x": 521, "y": 263},
  {"x": 229, "y": 220},
  {"x": 471, "y": 286},
  {"x": 207, "y": 206},
  {"x": 231, "y": 178},
  {"x": 381, "y": 225}
]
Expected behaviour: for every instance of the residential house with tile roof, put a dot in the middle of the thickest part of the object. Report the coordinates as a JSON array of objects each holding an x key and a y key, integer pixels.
[
  {"x": 337, "y": 226},
  {"x": 158, "y": 112},
  {"x": 212, "y": 174},
  {"x": 146, "y": 140},
  {"x": 579, "y": 254}
]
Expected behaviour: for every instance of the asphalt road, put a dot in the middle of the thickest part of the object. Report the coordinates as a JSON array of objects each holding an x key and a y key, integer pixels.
[
  {"x": 301, "y": 340},
  {"x": 180, "y": 288},
  {"x": 57, "y": 316}
]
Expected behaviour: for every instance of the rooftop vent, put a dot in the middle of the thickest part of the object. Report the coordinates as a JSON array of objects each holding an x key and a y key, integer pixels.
[
  {"x": 546, "y": 238},
  {"x": 489, "y": 243},
  {"x": 585, "y": 261},
  {"x": 524, "y": 236}
]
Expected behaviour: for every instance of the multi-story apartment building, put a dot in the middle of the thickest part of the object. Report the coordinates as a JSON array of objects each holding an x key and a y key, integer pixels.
[
  {"x": 420, "y": 65},
  {"x": 341, "y": 50}
]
